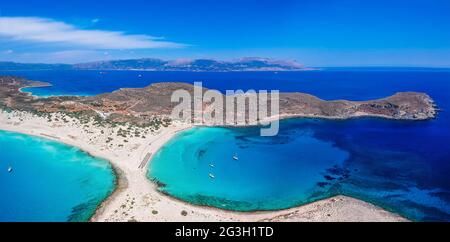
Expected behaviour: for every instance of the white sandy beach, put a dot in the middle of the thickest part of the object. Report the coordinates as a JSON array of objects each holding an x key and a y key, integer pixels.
[{"x": 137, "y": 198}]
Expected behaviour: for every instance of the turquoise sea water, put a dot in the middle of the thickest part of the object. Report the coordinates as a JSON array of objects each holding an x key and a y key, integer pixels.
[
  {"x": 393, "y": 164},
  {"x": 400, "y": 165},
  {"x": 264, "y": 176},
  {"x": 49, "y": 181}
]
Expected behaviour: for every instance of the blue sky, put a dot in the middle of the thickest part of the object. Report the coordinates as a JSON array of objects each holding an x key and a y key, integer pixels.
[{"x": 315, "y": 32}]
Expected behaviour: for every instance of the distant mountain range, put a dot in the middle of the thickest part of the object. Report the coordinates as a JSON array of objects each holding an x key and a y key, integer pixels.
[
  {"x": 152, "y": 64},
  {"x": 243, "y": 64}
]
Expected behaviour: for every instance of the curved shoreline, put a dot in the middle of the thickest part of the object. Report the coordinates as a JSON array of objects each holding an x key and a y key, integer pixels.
[
  {"x": 274, "y": 213},
  {"x": 120, "y": 184},
  {"x": 119, "y": 180},
  {"x": 145, "y": 191},
  {"x": 116, "y": 171},
  {"x": 244, "y": 213},
  {"x": 268, "y": 211},
  {"x": 39, "y": 85}
]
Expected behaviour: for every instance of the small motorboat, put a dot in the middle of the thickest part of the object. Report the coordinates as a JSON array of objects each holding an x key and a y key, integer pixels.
[
  {"x": 10, "y": 169},
  {"x": 211, "y": 176},
  {"x": 211, "y": 165},
  {"x": 235, "y": 157}
]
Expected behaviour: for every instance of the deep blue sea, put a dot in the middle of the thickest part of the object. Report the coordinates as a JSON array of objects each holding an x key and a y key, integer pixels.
[{"x": 403, "y": 166}]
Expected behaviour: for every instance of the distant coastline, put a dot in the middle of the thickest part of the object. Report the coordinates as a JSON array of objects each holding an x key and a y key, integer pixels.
[
  {"x": 248, "y": 64},
  {"x": 153, "y": 64}
]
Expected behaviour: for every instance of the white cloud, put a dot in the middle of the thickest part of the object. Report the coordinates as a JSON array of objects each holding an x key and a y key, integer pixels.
[
  {"x": 181, "y": 62},
  {"x": 44, "y": 30}
]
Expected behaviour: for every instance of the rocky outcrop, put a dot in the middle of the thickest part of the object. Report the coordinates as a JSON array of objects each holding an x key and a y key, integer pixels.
[{"x": 139, "y": 105}]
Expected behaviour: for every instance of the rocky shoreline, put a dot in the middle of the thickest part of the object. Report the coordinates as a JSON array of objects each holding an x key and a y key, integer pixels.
[{"x": 145, "y": 106}]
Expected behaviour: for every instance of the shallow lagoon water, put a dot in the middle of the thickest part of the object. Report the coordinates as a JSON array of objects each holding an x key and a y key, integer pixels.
[
  {"x": 50, "y": 181},
  {"x": 270, "y": 173}
]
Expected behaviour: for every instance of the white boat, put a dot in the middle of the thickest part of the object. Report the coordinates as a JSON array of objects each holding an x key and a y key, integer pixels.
[
  {"x": 235, "y": 157},
  {"x": 10, "y": 169},
  {"x": 211, "y": 165},
  {"x": 211, "y": 176}
]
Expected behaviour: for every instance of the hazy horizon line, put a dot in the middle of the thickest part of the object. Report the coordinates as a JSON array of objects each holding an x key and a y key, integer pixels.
[{"x": 237, "y": 59}]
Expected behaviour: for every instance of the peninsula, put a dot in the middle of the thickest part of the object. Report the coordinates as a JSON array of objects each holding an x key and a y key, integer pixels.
[{"x": 128, "y": 126}]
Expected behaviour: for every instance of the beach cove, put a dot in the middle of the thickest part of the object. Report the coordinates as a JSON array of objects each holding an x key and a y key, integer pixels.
[
  {"x": 136, "y": 198},
  {"x": 43, "y": 180}
]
